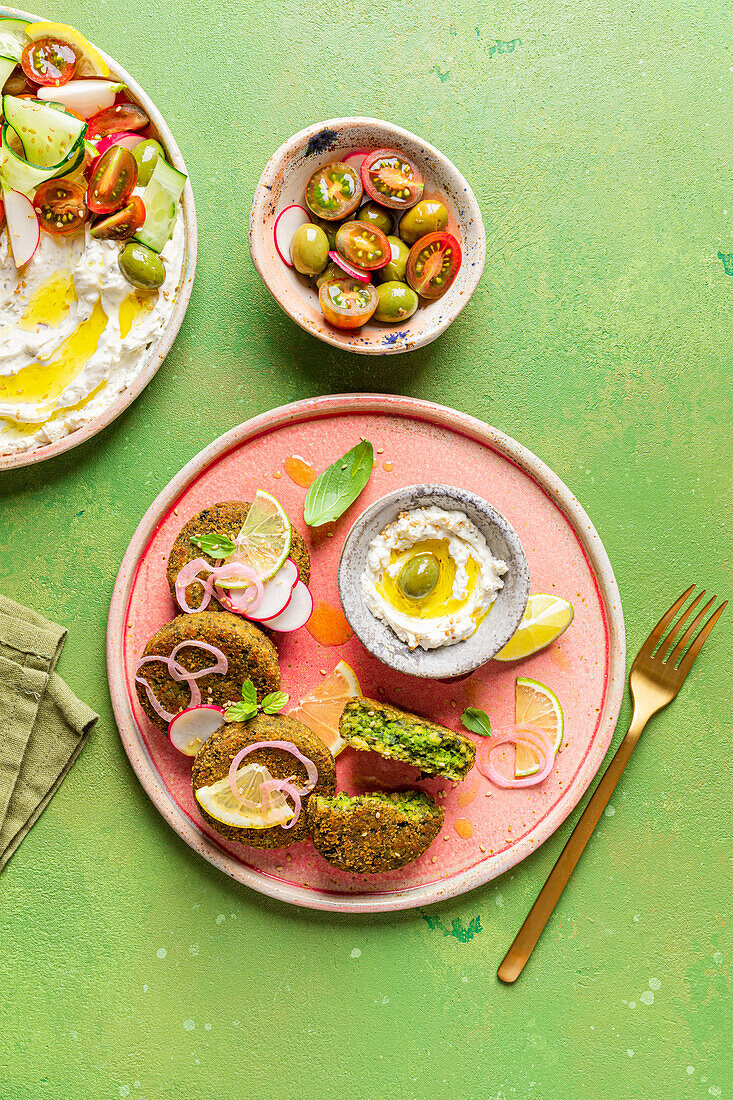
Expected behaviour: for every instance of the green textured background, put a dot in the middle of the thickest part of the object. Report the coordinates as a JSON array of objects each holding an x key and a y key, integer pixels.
[{"x": 599, "y": 149}]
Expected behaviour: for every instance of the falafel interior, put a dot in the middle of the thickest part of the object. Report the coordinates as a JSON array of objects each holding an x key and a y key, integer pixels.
[
  {"x": 399, "y": 735},
  {"x": 376, "y": 831}
]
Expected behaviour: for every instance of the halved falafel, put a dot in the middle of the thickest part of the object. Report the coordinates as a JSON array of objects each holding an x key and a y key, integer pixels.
[
  {"x": 370, "y": 833},
  {"x": 216, "y": 754},
  {"x": 250, "y": 656},
  {"x": 226, "y": 518},
  {"x": 399, "y": 735}
]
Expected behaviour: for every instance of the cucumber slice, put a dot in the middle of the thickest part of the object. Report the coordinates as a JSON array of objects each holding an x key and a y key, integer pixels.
[
  {"x": 21, "y": 176},
  {"x": 10, "y": 46},
  {"x": 48, "y": 135},
  {"x": 16, "y": 27},
  {"x": 7, "y": 64},
  {"x": 161, "y": 195}
]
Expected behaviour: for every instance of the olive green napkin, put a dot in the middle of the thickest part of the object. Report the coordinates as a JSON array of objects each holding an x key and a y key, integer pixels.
[{"x": 43, "y": 725}]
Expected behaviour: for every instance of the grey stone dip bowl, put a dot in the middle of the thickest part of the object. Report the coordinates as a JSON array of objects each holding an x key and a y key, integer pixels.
[{"x": 497, "y": 628}]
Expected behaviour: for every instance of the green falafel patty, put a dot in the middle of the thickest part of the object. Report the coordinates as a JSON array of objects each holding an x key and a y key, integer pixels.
[
  {"x": 399, "y": 735},
  {"x": 226, "y": 518},
  {"x": 249, "y": 652},
  {"x": 370, "y": 833},
  {"x": 217, "y": 752}
]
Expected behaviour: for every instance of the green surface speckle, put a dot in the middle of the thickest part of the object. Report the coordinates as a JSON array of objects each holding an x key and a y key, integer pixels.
[{"x": 599, "y": 150}]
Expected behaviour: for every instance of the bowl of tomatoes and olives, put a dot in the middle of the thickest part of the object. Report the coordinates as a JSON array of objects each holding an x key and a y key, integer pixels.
[{"x": 367, "y": 236}]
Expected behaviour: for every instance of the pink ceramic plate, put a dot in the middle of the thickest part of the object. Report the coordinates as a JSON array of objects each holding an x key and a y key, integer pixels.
[
  {"x": 153, "y": 357},
  {"x": 487, "y": 830}
]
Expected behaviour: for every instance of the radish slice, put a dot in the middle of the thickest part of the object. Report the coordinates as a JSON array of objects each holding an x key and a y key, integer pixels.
[
  {"x": 127, "y": 141},
  {"x": 86, "y": 97},
  {"x": 24, "y": 230},
  {"x": 277, "y": 593},
  {"x": 297, "y": 613},
  {"x": 356, "y": 159},
  {"x": 354, "y": 272},
  {"x": 287, "y": 221},
  {"x": 192, "y": 727}
]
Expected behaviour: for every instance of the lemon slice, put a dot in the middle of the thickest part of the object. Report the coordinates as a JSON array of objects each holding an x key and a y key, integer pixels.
[
  {"x": 322, "y": 708},
  {"x": 264, "y": 541},
  {"x": 536, "y": 705},
  {"x": 91, "y": 62},
  {"x": 544, "y": 620},
  {"x": 219, "y": 802}
]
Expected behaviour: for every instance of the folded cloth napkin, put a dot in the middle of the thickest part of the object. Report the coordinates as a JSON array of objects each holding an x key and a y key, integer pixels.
[{"x": 43, "y": 725}]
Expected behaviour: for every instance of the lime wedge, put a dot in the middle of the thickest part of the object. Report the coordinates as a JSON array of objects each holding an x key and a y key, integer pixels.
[
  {"x": 264, "y": 541},
  {"x": 544, "y": 620},
  {"x": 220, "y": 803},
  {"x": 536, "y": 705}
]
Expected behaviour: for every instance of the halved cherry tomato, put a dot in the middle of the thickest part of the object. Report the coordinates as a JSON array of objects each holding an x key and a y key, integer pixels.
[
  {"x": 48, "y": 62},
  {"x": 363, "y": 245},
  {"x": 334, "y": 191},
  {"x": 347, "y": 303},
  {"x": 60, "y": 206},
  {"x": 113, "y": 120},
  {"x": 433, "y": 264},
  {"x": 123, "y": 223},
  {"x": 392, "y": 179},
  {"x": 112, "y": 181}
]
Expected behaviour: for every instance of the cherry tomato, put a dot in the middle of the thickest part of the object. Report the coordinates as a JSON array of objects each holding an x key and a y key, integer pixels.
[
  {"x": 433, "y": 264},
  {"x": 334, "y": 191},
  {"x": 60, "y": 206},
  {"x": 112, "y": 181},
  {"x": 347, "y": 303},
  {"x": 2, "y": 211},
  {"x": 48, "y": 62},
  {"x": 123, "y": 223},
  {"x": 392, "y": 179},
  {"x": 113, "y": 120},
  {"x": 363, "y": 245}
]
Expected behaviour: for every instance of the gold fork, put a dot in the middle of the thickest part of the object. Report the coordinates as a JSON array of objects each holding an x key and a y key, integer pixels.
[{"x": 656, "y": 676}]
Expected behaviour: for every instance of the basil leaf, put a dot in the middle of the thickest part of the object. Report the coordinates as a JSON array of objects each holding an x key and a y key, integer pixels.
[
  {"x": 216, "y": 546},
  {"x": 240, "y": 712},
  {"x": 274, "y": 702},
  {"x": 477, "y": 721},
  {"x": 249, "y": 694},
  {"x": 337, "y": 488}
]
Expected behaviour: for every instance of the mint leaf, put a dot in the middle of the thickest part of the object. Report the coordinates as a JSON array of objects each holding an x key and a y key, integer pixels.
[
  {"x": 216, "y": 546},
  {"x": 249, "y": 694},
  {"x": 240, "y": 712},
  {"x": 337, "y": 488},
  {"x": 477, "y": 721},
  {"x": 274, "y": 702}
]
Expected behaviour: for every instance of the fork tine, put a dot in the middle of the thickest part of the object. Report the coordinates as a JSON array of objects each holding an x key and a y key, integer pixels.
[
  {"x": 666, "y": 644},
  {"x": 664, "y": 622},
  {"x": 692, "y": 652},
  {"x": 676, "y": 653}
]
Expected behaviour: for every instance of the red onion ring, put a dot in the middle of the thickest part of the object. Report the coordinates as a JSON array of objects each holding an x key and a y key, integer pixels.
[
  {"x": 178, "y": 673},
  {"x": 532, "y": 738},
  {"x": 246, "y": 600},
  {"x": 286, "y": 746},
  {"x": 286, "y": 786}
]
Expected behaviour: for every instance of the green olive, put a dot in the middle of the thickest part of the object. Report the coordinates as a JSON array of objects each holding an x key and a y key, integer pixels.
[
  {"x": 397, "y": 302},
  {"x": 141, "y": 266},
  {"x": 309, "y": 249},
  {"x": 397, "y": 266},
  {"x": 419, "y": 576},
  {"x": 429, "y": 216},
  {"x": 333, "y": 271},
  {"x": 146, "y": 154},
  {"x": 329, "y": 228},
  {"x": 374, "y": 214}
]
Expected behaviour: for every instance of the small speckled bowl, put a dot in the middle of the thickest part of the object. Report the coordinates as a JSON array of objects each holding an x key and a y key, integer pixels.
[
  {"x": 498, "y": 626},
  {"x": 283, "y": 183}
]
